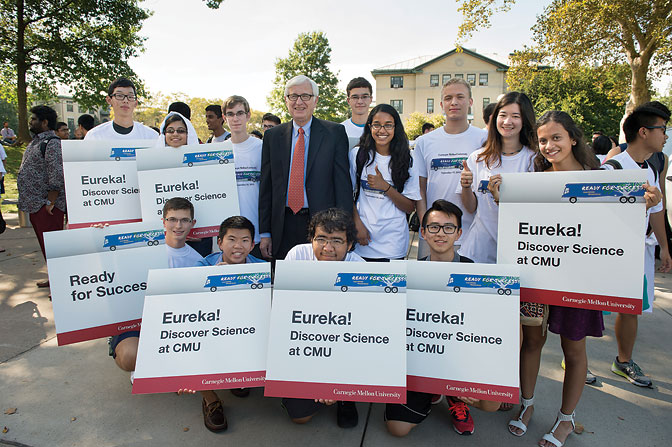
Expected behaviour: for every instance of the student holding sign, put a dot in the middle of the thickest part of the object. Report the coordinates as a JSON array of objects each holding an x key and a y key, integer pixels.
[
  {"x": 385, "y": 184},
  {"x": 510, "y": 147},
  {"x": 332, "y": 235},
  {"x": 441, "y": 227}
]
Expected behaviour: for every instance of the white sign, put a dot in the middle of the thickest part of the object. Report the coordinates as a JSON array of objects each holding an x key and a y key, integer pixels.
[
  {"x": 578, "y": 237},
  {"x": 203, "y": 174},
  {"x": 101, "y": 181},
  {"x": 337, "y": 331},
  {"x": 98, "y": 278},
  {"x": 204, "y": 328},
  {"x": 462, "y": 329}
]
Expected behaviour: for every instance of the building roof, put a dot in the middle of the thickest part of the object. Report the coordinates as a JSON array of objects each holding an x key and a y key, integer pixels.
[{"x": 417, "y": 64}]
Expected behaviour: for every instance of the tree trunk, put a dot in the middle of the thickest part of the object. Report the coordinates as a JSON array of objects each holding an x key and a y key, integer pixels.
[
  {"x": 639, "y": 88},
  {"x": 21, "y": 69}
]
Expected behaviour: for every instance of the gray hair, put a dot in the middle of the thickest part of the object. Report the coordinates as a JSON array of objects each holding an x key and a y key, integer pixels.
[{"x": 301, "y": 79}]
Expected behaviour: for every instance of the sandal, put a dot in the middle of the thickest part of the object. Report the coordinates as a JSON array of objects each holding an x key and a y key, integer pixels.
[
  {"x": 561, "y": 418},
  {"x": 518, "y": 423}
]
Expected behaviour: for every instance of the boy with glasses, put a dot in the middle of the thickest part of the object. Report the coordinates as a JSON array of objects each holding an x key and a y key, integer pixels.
[
  {"x": 360, "y": 95},
  {"x": 441, "y": 227},
  {"x": 269, "y": 121},
  {"x": 121, "y": 96}
]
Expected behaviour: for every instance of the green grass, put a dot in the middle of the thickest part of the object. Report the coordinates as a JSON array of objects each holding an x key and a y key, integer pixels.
[{"x": 12, "y": 163}]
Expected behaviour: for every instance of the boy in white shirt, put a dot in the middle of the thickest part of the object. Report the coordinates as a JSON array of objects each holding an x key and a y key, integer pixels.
[{"x": 360, "y": 95}]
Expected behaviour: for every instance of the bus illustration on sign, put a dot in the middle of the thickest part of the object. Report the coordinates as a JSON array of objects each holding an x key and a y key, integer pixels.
[
  {"x": 222, "y": 157},
  {"x": 248, "y": 176},
  {"x": 625, "y": 192},
  {"x": 389, "y": 282},
  {"x": 238, "y": 281},
  {"x": 366, "y": 187},
  {"x": 448, "y": 163},
  {"x": 483, "y": 186},
  {"x": 150, "y": 237},
  {"x": 127, "y": 153},
  {"x": 505, "y": 285}
]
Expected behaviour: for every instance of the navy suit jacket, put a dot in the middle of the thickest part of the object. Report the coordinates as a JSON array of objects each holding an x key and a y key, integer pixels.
[{"x": 327, "y": 174}]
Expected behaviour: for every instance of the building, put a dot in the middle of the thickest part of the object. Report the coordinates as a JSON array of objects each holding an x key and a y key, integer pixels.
[
  {"x": 69, "y": 111},
  {"x": 415, "y": 85}
]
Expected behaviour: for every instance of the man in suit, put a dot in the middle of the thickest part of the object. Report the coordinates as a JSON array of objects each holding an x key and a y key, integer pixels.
[{"x": 304, "y": 169}]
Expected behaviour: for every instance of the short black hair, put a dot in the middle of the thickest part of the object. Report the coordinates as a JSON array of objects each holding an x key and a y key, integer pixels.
[
  {"x": 358, "y": 83},
  {"x": 446, "y": 207},
  {"x": 333, "y": 219},
  {"x": 602, "y": 145},
  {"x": 597, "y": 132},
  {"x": 271, "y": 117},
  {"x": 61, "y": 124},
  {"x": 214, "y": 108},
  {"x": 235, "y": 222},
  {"x": 45, "y": 113},
  {"x": 120, "y": 82},
  {"x": 643, "y": 116},
  {"x": 86, "y": 121},
  {"x": 427, "y": 126},
  {"x": 178, "y": 203},
  {"x": 487, "y": 112},
  {"x": 181, "y": 108},
  {"x": 257, "y": 134}
]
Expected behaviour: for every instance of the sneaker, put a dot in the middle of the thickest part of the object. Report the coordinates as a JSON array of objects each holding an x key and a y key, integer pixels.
[
  {"x": 346, "y": 414},
  {"x": 591, "y": 379},
  {"x": 437, "y": 399},
  {"x": 631, "y": 371},
  {"x": 463, "y": 423},
  {"x": 213, "y": 416}
]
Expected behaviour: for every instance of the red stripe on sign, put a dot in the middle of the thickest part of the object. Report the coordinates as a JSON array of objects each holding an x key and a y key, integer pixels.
[
  {"x": 336, "y": 391},
  {"x": 199, "y": 382},
  {"x": 484, "y": 391},
  {"x": 204, "y": 231},
  {"x": 66, "y": 338},
  {"x": 582, "y": 300},
  {"x": 72, "y": 226}
]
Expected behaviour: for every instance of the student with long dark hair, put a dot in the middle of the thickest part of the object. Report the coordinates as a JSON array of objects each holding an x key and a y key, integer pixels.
[
  {"x": 510, "y": 147},
  {"x": 385, "y": 184}
]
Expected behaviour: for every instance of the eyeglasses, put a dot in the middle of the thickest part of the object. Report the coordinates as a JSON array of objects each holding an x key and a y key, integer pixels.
[
  {"x": 304, "y": 97},
  {"x": 322, "y": 241},
  {"x": 362, "y": 97},
  {"x": 377, "y": 126},
  {"x": 180, "y": 131},
  {"x": 120, "y": 96},
  {"x": 447, "y": 228},
  {"x": 665, "y": 128},
  {"x": 238, "y": 114},
  {"x": 174, "y": 220}
]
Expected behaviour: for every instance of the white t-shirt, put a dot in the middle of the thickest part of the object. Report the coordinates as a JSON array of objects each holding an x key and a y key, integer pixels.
[
  {"x": 352, "y": 129},
  {"x": 220, "y": 138},
  {"x": 304, "y": 252},
  {"x": 182, "y": 257},
  {"x": 627, "y": 162},
  {"x": 481, "y": 242},
  {"x": 106, "y": 131},
  {"x": 386, "y": 223},
  {"x": 247, "y": 156},
  {"x": 438, "y": 157}
]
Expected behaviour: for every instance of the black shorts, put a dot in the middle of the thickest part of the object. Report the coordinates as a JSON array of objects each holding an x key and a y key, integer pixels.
[
  {"x": 415, "y": 410},
  {"x": 300, "y": 408},
  {"x": 114, "y": 341}
]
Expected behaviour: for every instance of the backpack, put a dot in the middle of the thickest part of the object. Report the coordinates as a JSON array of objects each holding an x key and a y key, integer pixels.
[
  {"x": 656, "y": 167},
  {"x": 43, "y": 145}
]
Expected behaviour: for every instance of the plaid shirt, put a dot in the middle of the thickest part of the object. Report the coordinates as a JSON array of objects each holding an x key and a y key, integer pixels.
[{"x": 37, "y": 175}]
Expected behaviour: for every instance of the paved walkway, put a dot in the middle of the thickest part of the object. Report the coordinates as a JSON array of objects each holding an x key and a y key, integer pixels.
[{"x": 75, "y": 395}]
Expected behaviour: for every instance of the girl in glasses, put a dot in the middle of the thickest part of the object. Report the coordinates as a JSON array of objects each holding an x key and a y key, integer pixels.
[{"x": 176, "y": 131}]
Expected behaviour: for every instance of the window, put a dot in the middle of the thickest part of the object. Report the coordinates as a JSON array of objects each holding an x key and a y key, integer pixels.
[
  {"x": 430, "y": 105},
  {"x": 486, "y": 101},
  {"x": 69, "y": 106},
  {"x": 396, "y": 82},
  {"x": 92, "y": 111},
  {"x": 445, "y": 78},
  {"x": 398, "y": 104},
  {"x": 433, "y": 80},
  {"x": 459, "y": 76},
  {"x": 81, "y": 109},
  {"x": 71, "y": 124},
  {"x": 471, "y": 79},
  {"x": 483, "y": 79}
]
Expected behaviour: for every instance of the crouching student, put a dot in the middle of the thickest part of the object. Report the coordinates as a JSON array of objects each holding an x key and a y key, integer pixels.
[
  {"x": 332, "y": 235},
  {"x": 441, "y": 227}
]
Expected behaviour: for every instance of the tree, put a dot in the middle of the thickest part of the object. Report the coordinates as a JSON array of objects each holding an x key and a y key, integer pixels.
[
  {"x": 585, "y": 32},
  {"x": 593, "y": 96},
  {"x": 310, "y": 56},
  {"x": 413, "y": 126},
  {"x": 82, "y": 44}
]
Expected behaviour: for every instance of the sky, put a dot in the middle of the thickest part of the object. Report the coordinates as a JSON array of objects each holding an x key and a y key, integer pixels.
[{"x": 232, "y": 50}]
